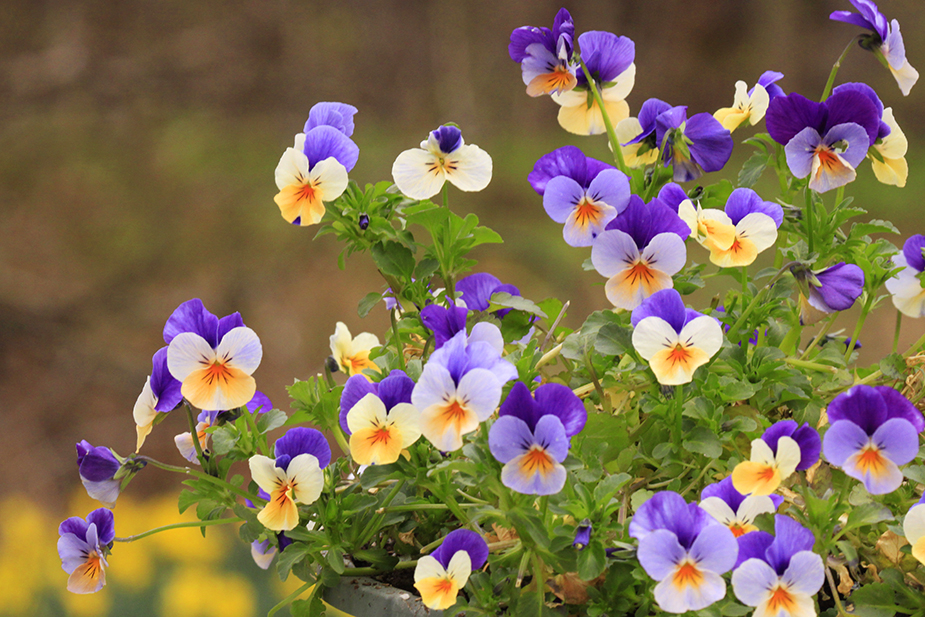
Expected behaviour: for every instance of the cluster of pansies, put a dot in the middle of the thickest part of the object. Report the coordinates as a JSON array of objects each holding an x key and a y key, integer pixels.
[{"x": 495, "y": 448}]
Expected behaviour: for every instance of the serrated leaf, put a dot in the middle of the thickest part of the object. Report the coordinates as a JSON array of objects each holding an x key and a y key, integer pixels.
[
  {"x": 591, "y": 561},
  {"x": 875, "y": 226},
  {"x": 368, "y": 302},
  {"x": 874, "y": 600},
  {"x": 502, "y": 299},
  {"x": 608, "y": 487},
  {"x": 894, "y": 366},
  {"x": 270, "y": 420},
  {"x": 393, "y": 259},
  {"x": 868, "y": 514},
  {"x": 613, "y": 340},
  {"x": 752, "y": 169},
  {"x": 224, "y": 440}
]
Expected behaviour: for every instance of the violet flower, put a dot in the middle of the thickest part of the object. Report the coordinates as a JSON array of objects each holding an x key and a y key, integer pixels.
[
  {"x": 444, "y": 156},
  {"x": 691, "y": 145},
  {"x": 444, "y": 322},
  {"x": 675, "y": 340},
  {"x": 439, "y": 576},
  {"x": 734, "y": 509},
  {"x": 475, "y": 292},
  {"x": 98, "y": 467},
  {"x": 873, "y": 431},
  {"x": 83, "y": 546},
  {"x": 779, "y": 575},
  {"x": 160, "y": 394},
  {"x": 834, "y": 289},
  {"x": 782, "y": 449},
  {"x": 531, "y": 437},
  {"x": 885, "y": 41},
  {"x": 906, "y": 286},
  {"x": 545, "y": 56},
  {"x": 582, "y": 535},
  {"x": 640, "y": 251},
  {"x": 683, "y": 548},
  {"x": 567, "y": 161},
  {"x": 637, "y": 135}
]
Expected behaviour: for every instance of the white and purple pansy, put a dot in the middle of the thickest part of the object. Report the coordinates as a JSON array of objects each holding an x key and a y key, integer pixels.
[
  {"x": 206, "y": 419},
  {"x": 833, "y": 289},
  {"x": 734, "y": 509},
  {"x": 439, "y": 576},
  {"x": 914, "y": 529},
  {"x": 212, "y": 358},
  {"x": 886, "y": 41},
  {"x": 531, "y": 437},
  {"x": 475, "y": 292},
  {"x": 351, "y": 353},
  {"x": 685, "y": 550},
  {"x": 691, "y": 145},
  {"x": 640, "y": 251},
  {"x": 545, "y": 55},
  {"x": 609, "y": 59},
  {"x": 83, "y": 546},
  {"x": 460, "y": 385},
  {"x": 421, "y": 172},
  {"x": 824, "y": 141},
  {"x": 293, "y": 477},
  {"x": 784, "y": 447},
  {"x": 567, "y": 161},
  {"x": 637, "y": 135},
  {"x": 873, "y": 431},
  {"x": 263, "y": 552},
  {"x": 906, "y": 286},
  {"x": 160, "y": 394},
  {"x": 379, "y": 417},
  {"x": 97, "y": 467},
  {"x": 779, "y": 575},
  {"x": 315, "y": 169},
  {"x": 674, "y": 339}
]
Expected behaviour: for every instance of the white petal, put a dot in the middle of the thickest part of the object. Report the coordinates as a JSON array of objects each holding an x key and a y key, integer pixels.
[
  {"x": 434, "y": 387},
  {"x": 788, "y": 456},
  {"x": 460, "y": 567},
  {"x": 719, "y": 509},
  {"x": 428, "y": 567},
  {"x": 186, "y": 353},
  {"x": 265, "y": 472},
  {"x": 368, "y": 412},
  {"x": 704, "y": 333},
  {"x": 480, "y": 391},
  {"x": 292, "y": 168},
  {"x": 468, "y": 168},
  {"x": 418, "y": 174},
  {"x": 759, "y": 103},
  {"x": 914, "y": 523},
  {"x": 762, "y": 453},
  {"x": 144, "y": 412},
  {"x": 623, "y": 85},
  {"x": 612, "y": 252},
  {"x": 364, "y": 341},
  {"x": 306, "y": 477},
  {"x": 487, "y": 333},
  {"x": 340, "y": 341},
  {"x": 406, "y": 418},
  {"x": 759, "y": 228},
  {"x": 752, "y": 506},
  {"x": 752, "y": 581},
  {"x": 805, "y": 574},
  {"x": 895, "y": 144},
  {"x": 652, "y": 335},
  {"x": 330, "y": 177},
  {"x": 241, "y": 347}
]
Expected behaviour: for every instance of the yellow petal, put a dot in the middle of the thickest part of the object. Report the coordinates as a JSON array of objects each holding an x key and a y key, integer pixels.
[{"x": 755, "y": 478}]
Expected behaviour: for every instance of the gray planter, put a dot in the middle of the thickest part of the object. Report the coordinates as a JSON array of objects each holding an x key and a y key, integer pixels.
[{"x": 366, "y": 597}]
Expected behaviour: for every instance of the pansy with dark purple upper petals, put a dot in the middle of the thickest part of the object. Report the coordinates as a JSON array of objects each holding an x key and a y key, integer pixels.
[
  {"x": 160, "y": 394},
  {"x": 781, "y": 450},
  {"x": 637, "y": 135},
  {"x": 683, "y": 548},
  {"x": 393, "y": 389},
  {"x": 83, "y": 546},
  {"x": 567, "y": 161},
  {"x": 672, "y": 195},
  {"x": 444, "y": 322},
  {"x": 582, "y": 535},
  {"x": 379, "y": 418},
  {"x": 531, "y": 437},
  {"x": 444, "y": 156},
  {"x": 97, "y": 467},
  {"x": 640, "y": 251},
  {"x": 210, "y": 418},
  {"x": 767, "y": 81},
  {"x": 734, "y": 509},
  {"x": 439, "y": 576},
  {"x": 476, "y": 290},
  {"x": 886, "y": 41},
  {"x": 780, "y": 577},
  {"x": 545, "y": 56},
  {"x": 585, "y": 211},
  {"x": 834, "y": 289},
  {"x": 674, "y": 340},
  {"x": 609, "y": 60},
  {"x": 691, "y": 145},
  {"x": 873, "y": 431},
  {"x": 906, "y": 288}
]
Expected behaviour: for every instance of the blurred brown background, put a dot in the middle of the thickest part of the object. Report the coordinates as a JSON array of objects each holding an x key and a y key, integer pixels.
[{"x": 139, "y": 140}]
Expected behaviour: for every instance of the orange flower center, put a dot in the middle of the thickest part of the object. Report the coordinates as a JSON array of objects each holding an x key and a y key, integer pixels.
[
  {"x": 781, "y": 600},
  {"x": 679, "y": 355},
  {"x": 218, "y": 371},
  {"x": 738, "y": 529},
  {"x": 382, "y": 435},
  {"x": 307, "y": 192},
  {"x": 639, "y": 272},
  {"x": 587, "y": 213},
  {"x": 871, "y": 461},
  {"x": 687, "y": 575},
  {"x": 536, "y": 460}
]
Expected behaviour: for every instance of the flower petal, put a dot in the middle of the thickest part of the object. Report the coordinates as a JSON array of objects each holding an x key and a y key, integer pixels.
[{"x": 418, "y": 173}]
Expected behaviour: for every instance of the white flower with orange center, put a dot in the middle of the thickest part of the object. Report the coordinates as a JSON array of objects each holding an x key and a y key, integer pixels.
[
  {"x": 767, "y": 467},
  {"x": 735, "y": 510},
  {"x": 377, "y": 435},
  {"x": 888, "y": 159},
  {"x": 443, "y": 157},
  {"x": 352, "y": 354},
  {"x": 439, "y": 576},
  {"x": 735, "y": 236}
]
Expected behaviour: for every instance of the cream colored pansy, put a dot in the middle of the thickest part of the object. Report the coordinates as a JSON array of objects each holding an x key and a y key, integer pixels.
[{"x": 352, "y": 354}]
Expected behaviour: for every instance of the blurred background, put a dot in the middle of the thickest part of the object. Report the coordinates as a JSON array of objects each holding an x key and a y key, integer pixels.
[{"x": 136, "y": 172}]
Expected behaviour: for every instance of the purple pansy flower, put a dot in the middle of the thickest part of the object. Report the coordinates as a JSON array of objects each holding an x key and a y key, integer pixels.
[
  {"x": 461, "y": 385},
  {"x": 97, "y": 467},
  {"x": 873, "y": 431},
  {"x": 160, "y": 394},
  {"x": 683, "y": 548},
  {"x": 475, "y": 292},
  {"x": 673, "y": 339},
  {"x": 637, "y": 135},
  {"x": 444, "y": 322},
  {"x": 440, "y": 575},
  {"x": 782, "y": 449},
  {"x": 779, "y": 575},
  {"x": 545, "y": 55},
  {"x": 640, "y": 251},
  {"x": 905, "y": 287},
  {"x": 735, "y": 510},
  {"x": 885, "y": 41},
  {"x": 83, "y": 546},
  {"x": 444, "y": 156},
  {"x": 834, "y": 289},
  {"x": 531, "y": 437},
  {"x": 582, "y": 535},
  {"x": 567, "y": 161},
  {"x": 691, "y": 145}
]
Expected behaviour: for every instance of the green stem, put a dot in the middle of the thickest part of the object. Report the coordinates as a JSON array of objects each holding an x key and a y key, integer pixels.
[
  {"x": 611, "y": 132},
  {"x": 414, "y": 507},
  {"x": 290, "y": 598},
  {"x": 899, "y": 321},
  {"x": 259, "y": 439},
  {"x": 540, "y": 580},
  {"x": 825, "y": 330},
  {"x": 744, "y": 278},
  {"x": 151, "y": 532},
  {"x": 203, "y": 476},
  {"x": 915, "y": 347},
  {"x": 374, "y": 522},
  {"x": 401, "y": 565},
  {"x": 808, "y": 215},
  {"x": 678, "y": 406},
  {"x": 834, "y": 72},
  {"x": 605, "y": 402},
  {"x": 398, "y": 346},
  {"x": 340, "y": 438},
  {"x": 834, "y": 591},
  {"x": 814, "y": 366},
  {"x": 857, "y": 328}
]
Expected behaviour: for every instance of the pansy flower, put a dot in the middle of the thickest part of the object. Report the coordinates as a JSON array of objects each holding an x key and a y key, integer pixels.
[
  {"x": 444, "y": 321},
  {"x": 161, "y": 393},
  {"x": 475, "y": 292},
  {"x": 582, "y": 535},
  {"x": 735, "y": 510},
  {"x": 906, "y": 287},
  {"x": 98, "y": 467},
  {"x": 567, "y": 161},
  {"x": 691, "y": 145},
  {"x": 585, "y": 210},
  {"x": 609, "y": 60},
  {"x": 293, "y": 478},
  {"x": 352, "y": 354},
  {"x": 885, "y": 41},
  {"x": 545, "y": 56},
  {"x": 439, "y": 576},
  {"x": 914, "y": 529},
  {"x": 888, "y": 155},
  {"x": 873, "y": 431},
  {"x": 824, "y": 141},
  {"x": 779, "y": 575},
  {"x": 637, "y": 135},
  {"x": 531, "y": 437},
  {"x": 834, "y": 289},
  {"x": 784, "y": 448},
  {"x": 315, "y": 169},
  {"x": 381, "y": 422},
  {"x": 421, "y": 172},
  {"x": 746, "y": 107},
  {"x": 640, "y": 251},
  {"x": 460, "y": 385},
  {"x": 212, "y": 358},
  {"x": 184, "y": 441},
  {"x": 83, "y": 546},
  {"x": 673, "y": 339},
  {"x": 685, "y": 550}
]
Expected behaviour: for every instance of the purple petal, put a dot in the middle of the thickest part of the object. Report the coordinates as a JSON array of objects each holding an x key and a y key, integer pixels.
[
  {"x": 659, "y": 553},
  {"x": 523, "y": 37},
  {"x": 725, "y": 491},
  {"x": 642, "y": 221},
  {"x": 788, "y": 115},
  {"x": 226, "y": 324},
  {"x": 853, "y": 106},
  {"x": 842, "y": 284},
  {"x": 462, "y": 540},
  {"x": 520, "y": 404},
  {"x": 669, "y": 120},
  {"x": 843, "y": 440},
  {"x": 753, "y": 545},
  {"x": 164, "y": 386},
  {"x": 97, "y": 464},
  {"x": 395, "y": 389},
  {"x": 357, "y": 387},
  {"x": 914, "y": 252},
  {"x": 476, "y": 290},
  {"x": 666, "y": 304},
  {"x": 862, "y": 405},
  {"x": 648, "y": 113},
  {"x": 898, "y": 440},
  {"x": 508, "y": 438},
  {"x": 852, "y": 18},
  {"x": 767, "y": 80},
  {"x": 337, "y": 115},
  {"x": 74, "y": 525},
  {"x": 810, "y": 446},
  {"x": 259, "y": 401},
  {"x": 565, "y": 161},
  {"x": 898, "y": 406},
  {"x": 605, "y": 54},
  {"x": 790, "y": 538},
  {"x": 448, "y": 137},
  {"x": 711, "y": 144},
  {"x": 562, "y": 195},
  {"x": 801, "y": 150},
  {"x": 884, "y": 128},
  {"x": 301, "y": 440},
  {"x": 672, "y": 195},
  {"x": 856, "y": 138},
  {"x": 611, "y": 187},
  {"x": 715, "y": 549},
  {"x": 743, "y": 201},
  {"x": 326, "y": 141},
  {"x": 668, "y": 510},
  {"x": 443, "y": 322},
  {"x": 550, "y": 434},
  {"x": 105, "y": 528},
  {"x": 192, "y": 316},
  {"x": 559, "y": 400}
]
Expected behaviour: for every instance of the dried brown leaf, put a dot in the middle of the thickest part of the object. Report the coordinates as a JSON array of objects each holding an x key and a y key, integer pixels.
[{"x": 889, "y": 544}]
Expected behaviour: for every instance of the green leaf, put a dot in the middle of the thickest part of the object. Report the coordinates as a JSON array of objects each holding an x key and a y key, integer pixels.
[
  {"x": 868, "y": 514},
  {"x": 591, "y": 561},
  {"x": 752, "y": 169},
  {"x": 613, "y": 340},
  {"x": 703, "y": 441},
  {"x": 375, "y": 474},
  {"x": 484, "y": 235},
  {"x": 335, "y": 559},
  {"x": 894, "y": 366},
  {"x": 224, "y": 440},
  {"x": 293, "y": 554},
  {"x": 608, "y": 487},
  {"x": 874, "y": 600},
  {"x": 393, "y": 259},
  {"x": 502, "y": 299},
  {"x": 873, "y": 227},
  {"x": 368, "y": 302},
  {"x": 274, "y": 418}
]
